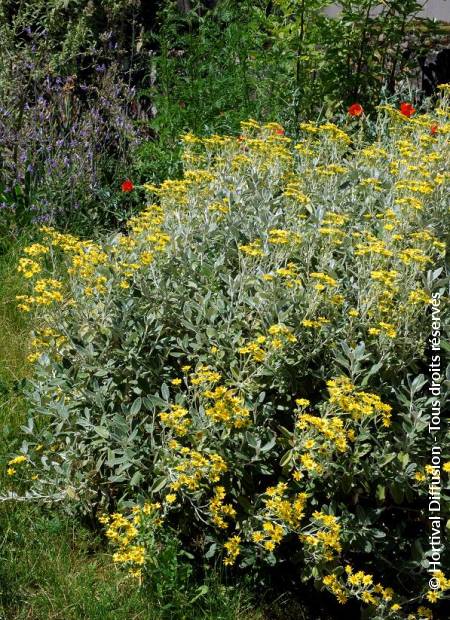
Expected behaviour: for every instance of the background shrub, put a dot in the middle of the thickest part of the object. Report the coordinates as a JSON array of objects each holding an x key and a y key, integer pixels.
[
  {"x": 285, "y": 60},
  {"x": 66, "y": 147},
  {"x": 158, "y": 71}
]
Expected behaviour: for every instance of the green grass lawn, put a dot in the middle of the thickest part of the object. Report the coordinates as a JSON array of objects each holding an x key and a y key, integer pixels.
[
  {"x": 13, "y": 336},
  {"x": 51, "y": 567}
]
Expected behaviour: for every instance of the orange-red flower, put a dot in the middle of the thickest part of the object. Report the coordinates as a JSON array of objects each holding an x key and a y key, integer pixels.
[
  {"x": 434, "y": 129},
  {"x": 407, "y": 109},
  {"x": 356, "y": 109},
  {"x": 127, "y": 186}
]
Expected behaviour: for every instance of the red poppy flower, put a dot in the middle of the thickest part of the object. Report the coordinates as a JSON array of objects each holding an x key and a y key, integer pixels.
[
  {"x": 356, "y": 109},
  {"x": 280, "y": 132},
  {"x": 127, "y": 186},
  {"x": 434, "y": 129},
  {"x": 407, "y": 109}
]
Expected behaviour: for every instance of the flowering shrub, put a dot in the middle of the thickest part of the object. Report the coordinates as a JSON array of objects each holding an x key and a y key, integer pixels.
[
  {"x": 246, "y": 362},
  {"x": 63, "y": 143}
]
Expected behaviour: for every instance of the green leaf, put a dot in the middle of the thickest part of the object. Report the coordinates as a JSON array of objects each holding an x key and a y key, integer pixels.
[
  {"x": 269, "y": 445},
  {"x": 136, "y": 406},
  {"x": 381, "y": 492},
  {"x": 158, "y": 484},
  {"x": 397, "y": 493},
  {"x": 136, "y": 478},
  {"x": 211, "y": 551},
  {"x": 165, "y": 392},
  {"x": 102, "y": 431},
  {"x": 387, "y": 459},
  {"x": 286, "y": 458},
  {"x": 252, "y": 440}
]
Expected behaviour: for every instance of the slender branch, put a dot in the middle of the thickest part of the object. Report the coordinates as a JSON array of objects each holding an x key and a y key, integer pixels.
[{"x": 298, "y": 61}]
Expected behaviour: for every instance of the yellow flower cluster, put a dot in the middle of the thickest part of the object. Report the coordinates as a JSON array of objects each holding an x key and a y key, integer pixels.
[
  {"x": 373, "y": 245},
  {"x": 388, "y": 278},
  {"x": 383, "y": 328},
  {"x": 315, "y": 323},
  {"x": 218, "y": 510},
  {"x": 124, "y": 533},
  {"x": 28, "y": 267},
  {"x": 232, "y": 547},
  {"x": 278, "y": 337},
  {"x": 358, "y": 404},
  {"x": 175, "y": 190},
  {"x": 293, "y": 190},
  {"x": 280, "y": 515},
  {"x": 329, "y": 170},
  {"x": 322, "y": 538},
  {"x": 420, "y": 187},
  {"x": 324, "y": 280},
  {"x": 17, "y": 460},
  {"x": 361, "y": 585},
  {"x": 255, "y": 349},
  {"x": 176, "y": 419},
  {"x": 278, "y": 236},
  {"x": 193, "y": 466},
  {"x": 204, "y": 375},
  {"x": 443, "y": 584},
  {"x": 288, "y": 275},
  {"x": 91, "y": 265},
  {"x": 328, "y": 131},
  {"x": 46, "y": 339},
  {"x": 252, "y": 249},
  {"x": 228, "y": 409},
  {"x": 316, "y": 440}
]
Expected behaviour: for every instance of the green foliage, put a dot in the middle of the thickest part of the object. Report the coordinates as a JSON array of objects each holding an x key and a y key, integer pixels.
[
  {"x": 284, "y": 60},
  {"x": 250, "y": 354},
  {"x": 53, "y": 567},
  {"x": 202, "y": 70},
  {"x": 71, "y": 32}
]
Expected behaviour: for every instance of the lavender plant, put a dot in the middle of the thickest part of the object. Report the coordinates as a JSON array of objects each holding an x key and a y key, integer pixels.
[{"x": 65, "y": 147}]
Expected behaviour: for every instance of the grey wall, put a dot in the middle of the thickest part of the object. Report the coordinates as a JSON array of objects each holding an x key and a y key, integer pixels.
[{"x": 434, "y": 9}]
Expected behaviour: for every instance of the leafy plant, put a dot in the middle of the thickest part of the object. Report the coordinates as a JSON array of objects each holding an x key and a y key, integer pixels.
[
  {"x": 66, "y": 147},
  {"x": 247, "y": 359}
]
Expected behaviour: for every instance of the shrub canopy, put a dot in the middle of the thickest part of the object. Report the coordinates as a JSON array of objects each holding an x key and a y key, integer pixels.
[{"x": 246, "y": 361}]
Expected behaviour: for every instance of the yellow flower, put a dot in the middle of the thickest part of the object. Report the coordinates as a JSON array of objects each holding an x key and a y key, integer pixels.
[
  {"x": 28, "y": 267},
  {"x": 18, "y": 459},
  {"x": 233, "y": 550},
  {"x": 433, "y": 596},
  {"x": 302, "y": 402}
]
